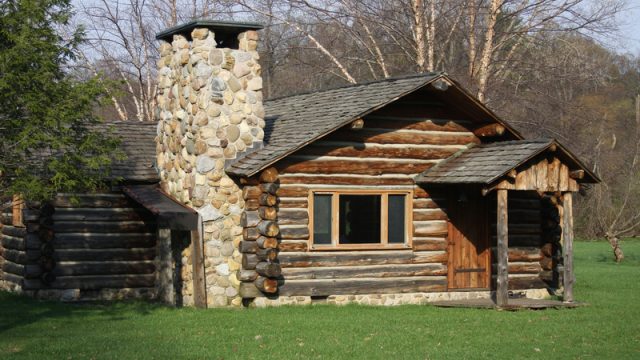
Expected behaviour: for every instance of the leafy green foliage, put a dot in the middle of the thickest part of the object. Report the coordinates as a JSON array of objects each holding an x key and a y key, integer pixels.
[
  {"x": 46, "y": 114},
  {"x": 609, "y": 328}
]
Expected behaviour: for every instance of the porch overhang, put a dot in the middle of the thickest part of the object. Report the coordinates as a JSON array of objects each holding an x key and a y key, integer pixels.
[
  {"x": 542, "y": 165},
  {"x": 169, "y": 213}
]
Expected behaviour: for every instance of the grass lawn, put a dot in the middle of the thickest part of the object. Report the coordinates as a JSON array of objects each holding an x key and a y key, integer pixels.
[{"x": 607, "y": 329}]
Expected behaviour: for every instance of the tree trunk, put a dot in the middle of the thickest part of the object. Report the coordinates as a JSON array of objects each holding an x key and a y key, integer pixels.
[{"x": 615, "y": 245}]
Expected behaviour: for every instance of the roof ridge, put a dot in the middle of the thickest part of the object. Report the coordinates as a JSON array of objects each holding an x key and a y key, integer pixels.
[{"x": 389, "y": 79}]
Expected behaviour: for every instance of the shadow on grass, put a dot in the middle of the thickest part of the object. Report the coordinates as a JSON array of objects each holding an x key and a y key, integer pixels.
[{"x": 21, "y": 310}]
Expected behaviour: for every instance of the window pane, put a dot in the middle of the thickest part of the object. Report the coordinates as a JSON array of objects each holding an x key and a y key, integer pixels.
[
  {"x": 322, "y": 219},
  {"x": 396, "y": 219},
  {"x": 360, "y": 219}
]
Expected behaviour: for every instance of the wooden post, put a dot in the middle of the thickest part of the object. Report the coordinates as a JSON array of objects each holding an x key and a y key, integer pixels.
[
  {"x": 502, "y": 291},
  {"x": 17, "y": 206},
  {"x": 197, "y": 252},
  {"x": 567, "y": 245},
  {"x": 166, "y": 293}
]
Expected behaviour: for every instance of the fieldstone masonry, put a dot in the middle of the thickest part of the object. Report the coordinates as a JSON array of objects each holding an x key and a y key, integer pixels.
[{"x": 209, "y": 111}]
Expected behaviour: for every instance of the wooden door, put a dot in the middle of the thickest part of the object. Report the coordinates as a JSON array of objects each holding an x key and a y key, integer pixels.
[{"x": 469, "y": 264}]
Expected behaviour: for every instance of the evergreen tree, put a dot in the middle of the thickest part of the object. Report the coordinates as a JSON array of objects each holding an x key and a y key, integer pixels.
[{"x": 47, "y": 144}]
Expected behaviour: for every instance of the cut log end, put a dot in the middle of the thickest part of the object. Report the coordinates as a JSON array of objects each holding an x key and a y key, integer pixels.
[{"x": 266, "y": 285}]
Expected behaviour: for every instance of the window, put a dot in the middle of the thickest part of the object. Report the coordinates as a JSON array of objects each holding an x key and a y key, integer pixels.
[{"x": 362, "y": 219}]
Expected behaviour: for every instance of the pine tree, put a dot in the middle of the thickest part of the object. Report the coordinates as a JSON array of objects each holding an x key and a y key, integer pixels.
[{"x": 47, "y": 144}]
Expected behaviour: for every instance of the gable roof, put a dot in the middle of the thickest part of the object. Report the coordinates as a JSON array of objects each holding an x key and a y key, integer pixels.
[
  {"x": 486, "y": 163},
  {"x": 295, "y": 121},
  {"x": 138, "y": 143}
]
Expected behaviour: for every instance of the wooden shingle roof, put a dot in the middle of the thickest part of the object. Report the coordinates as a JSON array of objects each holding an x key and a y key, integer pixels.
[
  {"x": 295, "y": 121},
  {"x": 138, "y": 143},
  {"x": 486, "y": 163}
]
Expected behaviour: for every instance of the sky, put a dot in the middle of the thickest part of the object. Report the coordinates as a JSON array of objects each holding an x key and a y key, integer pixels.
[{"x": 629, "y": 39}]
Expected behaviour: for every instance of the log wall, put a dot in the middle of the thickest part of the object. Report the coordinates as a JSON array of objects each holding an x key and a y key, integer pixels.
[
  {"x": 13, "y": 251},
  {"x": 526, "y": 261},
  {"x": 89, "y": 243},
  {"x": 394, "y": 144}
]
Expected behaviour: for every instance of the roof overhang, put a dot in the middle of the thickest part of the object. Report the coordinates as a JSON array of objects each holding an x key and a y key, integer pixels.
[
  {"x": 169, "y": 213},
  {"x": 503, "y": 164}
]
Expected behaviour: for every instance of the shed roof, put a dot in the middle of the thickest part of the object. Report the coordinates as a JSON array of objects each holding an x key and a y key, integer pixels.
[
  {"x": 169, "y": 213},
  {"x": 295, "y": 121},
  {"x": 486, "y": 163},
  {"x": 138, "y": 143}
]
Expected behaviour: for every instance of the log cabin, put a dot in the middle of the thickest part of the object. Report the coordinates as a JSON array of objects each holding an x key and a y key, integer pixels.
[{"x": 403, "y": 190}]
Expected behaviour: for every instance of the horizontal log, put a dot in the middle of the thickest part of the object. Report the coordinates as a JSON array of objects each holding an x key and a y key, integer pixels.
[
  {"x": 105, "y": 254},
  {"x": 269, "y": 175},
  {"x": 525, "y": 268},
  {"x": 251, "y": 192},
  {"x": 353, "y": 272},
  {"x": 267, "y": 254},
  {"x": 103, "y": 227},
  {"x": 518, "y": 240},
  {"x": 369, "y": 167},
  {"x": 428, "y": 203},
  {"x": 547, "y": 263},
  {"x": 489, "y": 130},
  {"x": 382, "y": 136},
  {"x": 268, "y": 228},
  {"x": 6, "y": 218},
  {"x": 430, "y": 228},
  {"x": 92, "y": 201},
  {"x": 522, "y": 229},
  {"x": 266, "y": 285},
  {"x": 576, "y": 174},
  {"x": 268, "y": 269},
  {"x": 362, "y": 286},
  {"x": 251, "y": 204},
  {"x": 249, "y": 219},
  {"x": 250, "y": 234},
  {"x": 249, "y": 261},
  {"x": 247, "y": 275},
  {"x": 269, "y": 188},
  {"x": 15, "y": 279},
  {"x": 267, "y": 200},
  {"x": 293, "y": 203},
  {"x": 13, "y": 231},
  {"x": 13, "y": 243},
  {"x": 529, "y": 282},
  {"x": 360, "y": 150},
  {"x": 523, "y": 253},
  {"x": 16, "y": 256},
  {"x": 100, "y": 214},
  {"x": 430, "y": 244},
  {"x": 395, "y": 122},
  {"x": 13, "y": 268},
  {"x": 293, "y": 246},
  {"x": 268, "y": 213},
  {"x": 104, "y": 241},
  {"x": 349, "y": 258},
  {"x": 248, "y": 247},
  {"x": 293, "y": 217},
  {"x": 429, "y": 214},
  {"x": 294, "y": 232},
  {"x": 249, "y": 290},
  {"x": 267, "y": 242},
  {"x": 95, "y": 268},
  {"x": 337, "y": 179},
  {"x": 95, "y": 282}
]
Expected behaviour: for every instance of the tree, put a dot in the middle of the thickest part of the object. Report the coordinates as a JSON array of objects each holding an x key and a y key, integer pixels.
[{"x": 46, "y": 114}]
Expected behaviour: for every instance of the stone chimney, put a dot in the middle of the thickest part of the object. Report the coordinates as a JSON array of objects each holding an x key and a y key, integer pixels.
[{"x": 209, "y": 110}]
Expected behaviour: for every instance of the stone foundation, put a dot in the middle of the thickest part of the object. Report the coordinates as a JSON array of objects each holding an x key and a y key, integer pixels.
[{"x": 391, "y": 299}]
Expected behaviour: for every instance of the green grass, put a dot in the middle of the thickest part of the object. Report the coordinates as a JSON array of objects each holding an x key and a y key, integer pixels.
[{"x": 607, "y": 329}]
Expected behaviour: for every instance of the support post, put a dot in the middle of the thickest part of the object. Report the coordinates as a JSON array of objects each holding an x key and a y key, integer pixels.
[
  {"x": 17, "y": 207},
  {"x": 567, "y": 245},
  {"x": 502, "y": 291},
  {"x": 166, "y": 292},
  {"x": 197, "y": 253}
]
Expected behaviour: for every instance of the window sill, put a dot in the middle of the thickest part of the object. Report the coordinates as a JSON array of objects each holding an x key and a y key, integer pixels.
[{"x": 360, "y": 247}]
